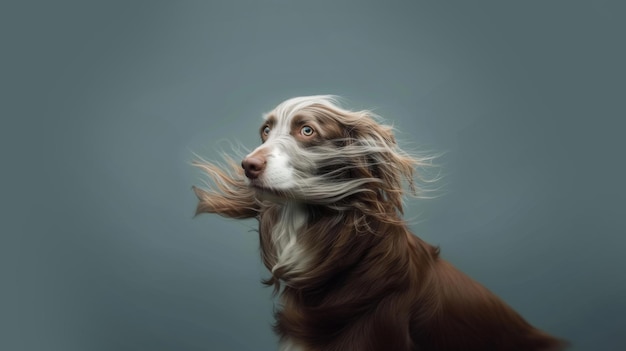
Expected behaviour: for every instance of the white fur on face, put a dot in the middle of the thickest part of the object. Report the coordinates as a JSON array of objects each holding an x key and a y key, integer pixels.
[
  {"x": 281, "y": 150},
  {"x": 279, "y": 173}
]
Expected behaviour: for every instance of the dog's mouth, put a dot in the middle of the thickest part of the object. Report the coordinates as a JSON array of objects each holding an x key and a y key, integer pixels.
[
  {"x": 268, "y": 192},
  {"x": 260, "y": 186}
]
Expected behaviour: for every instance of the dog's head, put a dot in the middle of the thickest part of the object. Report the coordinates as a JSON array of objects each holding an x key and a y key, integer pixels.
[{"x": 316, "y": 152}]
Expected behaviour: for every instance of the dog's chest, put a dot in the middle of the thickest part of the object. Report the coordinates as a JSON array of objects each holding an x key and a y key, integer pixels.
[{"x": 291, "y": 255}]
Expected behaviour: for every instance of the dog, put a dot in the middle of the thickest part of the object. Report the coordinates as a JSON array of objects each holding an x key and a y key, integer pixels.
[{"x": 326, "y": 186}]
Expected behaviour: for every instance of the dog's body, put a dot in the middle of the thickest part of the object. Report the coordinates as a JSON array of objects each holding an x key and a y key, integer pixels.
[{"x": 326, "y": 187}]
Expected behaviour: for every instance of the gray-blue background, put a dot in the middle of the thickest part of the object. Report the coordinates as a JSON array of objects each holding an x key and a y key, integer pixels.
[{"x": 104, "y": 103}]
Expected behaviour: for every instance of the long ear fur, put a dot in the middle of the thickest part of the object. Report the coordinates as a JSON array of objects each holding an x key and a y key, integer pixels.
[
  {"x": 387, "y": 162},
  {"x": 231, "y": 196},
  {"x": 372, "y": 156}
]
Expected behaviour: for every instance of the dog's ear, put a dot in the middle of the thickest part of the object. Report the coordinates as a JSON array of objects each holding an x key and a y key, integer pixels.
[
  {"x": 230, "y": 197},
  {"x": 382, "y": 158},
  {"x": 368, "y": 150}
]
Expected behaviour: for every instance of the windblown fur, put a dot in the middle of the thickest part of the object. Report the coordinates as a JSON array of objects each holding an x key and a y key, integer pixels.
[{"x": 326, "y": 186}]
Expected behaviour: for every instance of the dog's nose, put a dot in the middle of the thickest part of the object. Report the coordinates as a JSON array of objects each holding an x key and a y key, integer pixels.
[{"x": 253, "y": 166}]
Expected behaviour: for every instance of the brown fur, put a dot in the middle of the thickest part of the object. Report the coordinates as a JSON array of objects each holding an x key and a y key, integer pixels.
[{"x": 371, "y": 285}]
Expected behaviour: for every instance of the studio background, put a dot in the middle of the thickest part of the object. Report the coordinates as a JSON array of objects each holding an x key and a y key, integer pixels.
[{"x": 104, "y": 104}]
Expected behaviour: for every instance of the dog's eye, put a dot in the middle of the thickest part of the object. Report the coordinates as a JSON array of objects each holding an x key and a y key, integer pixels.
[
  {"x": 266, "y": 130},
  {"x": 306, "y": 131}
]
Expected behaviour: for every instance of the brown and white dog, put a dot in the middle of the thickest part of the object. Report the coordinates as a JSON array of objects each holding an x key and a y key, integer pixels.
[{"x": 326, "y": 187}]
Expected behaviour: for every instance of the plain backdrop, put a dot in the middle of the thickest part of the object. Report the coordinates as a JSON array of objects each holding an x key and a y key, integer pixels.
[{"x": 104, "y": 103}]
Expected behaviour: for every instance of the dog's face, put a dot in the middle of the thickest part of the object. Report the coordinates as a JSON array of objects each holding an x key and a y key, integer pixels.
[
  {"x": 288, "y": 134},
  {"x": 314, "y": 151}
]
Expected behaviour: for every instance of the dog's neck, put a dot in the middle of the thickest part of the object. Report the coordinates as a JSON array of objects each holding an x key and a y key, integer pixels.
[{"x": 291, "y": 256}]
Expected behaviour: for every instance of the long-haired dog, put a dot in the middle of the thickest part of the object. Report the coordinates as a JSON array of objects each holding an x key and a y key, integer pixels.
[{"x": 326, "y": 187}]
